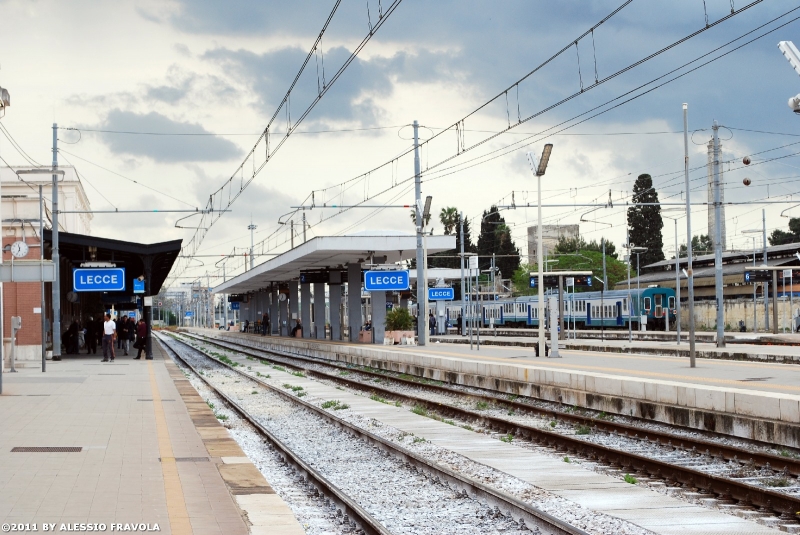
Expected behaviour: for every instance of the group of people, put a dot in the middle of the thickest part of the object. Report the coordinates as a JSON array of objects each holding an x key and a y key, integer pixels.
[{"x": 127, "y": 331}]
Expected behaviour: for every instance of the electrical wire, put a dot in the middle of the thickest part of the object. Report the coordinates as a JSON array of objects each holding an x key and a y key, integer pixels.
[
  {"x": 17, "y": 146},
  {"x": 87, "y": 181},
  {"x": 62, "y": 151}
]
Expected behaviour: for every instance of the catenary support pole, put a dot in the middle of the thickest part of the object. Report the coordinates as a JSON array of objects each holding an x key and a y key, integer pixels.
[
  {"x": 422, "y": 284},
  {"x": 718, "y": 282},
  {"x": 540, "y": 269},
  {"x": 766, "y": 284},
  {"x": 41, "y": 285},
  {"x": 630, "y": 300},
  {"x": 56, "y": 260},
  {"x": 677, "y": 288},
  {"x": 463, "y": 325},
  {"x": 689, "y": 272}
]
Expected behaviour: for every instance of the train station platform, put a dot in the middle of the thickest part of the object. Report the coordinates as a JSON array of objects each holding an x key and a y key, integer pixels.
[
  {"x": 778, "y": 348},
  {"x": 129, "y": 444},
  {"x": 748, "y": 399}
]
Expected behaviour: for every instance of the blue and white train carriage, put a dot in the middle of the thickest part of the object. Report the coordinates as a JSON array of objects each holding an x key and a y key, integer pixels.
[{"x": 588, "y": 310}]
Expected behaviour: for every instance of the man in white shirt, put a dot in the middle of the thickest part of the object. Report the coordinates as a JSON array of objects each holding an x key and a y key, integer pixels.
[{"x": 109, "y": 333}]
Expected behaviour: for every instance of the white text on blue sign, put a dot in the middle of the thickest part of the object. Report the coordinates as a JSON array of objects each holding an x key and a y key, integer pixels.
[
  {"x": 441, "y": 294},
  {"x": 98, "y": 280},
  {"x": 386, "y": 280}
]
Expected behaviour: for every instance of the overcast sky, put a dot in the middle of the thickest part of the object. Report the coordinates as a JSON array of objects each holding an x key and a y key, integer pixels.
[{"x": 210, "y": 67}]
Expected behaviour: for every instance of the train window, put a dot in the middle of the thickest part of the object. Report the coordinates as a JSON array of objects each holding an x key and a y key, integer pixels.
[
  {"x": 625, "y": 305},
  {"x": 671, "y": 302},
  {"x": 647, "y": 303}
]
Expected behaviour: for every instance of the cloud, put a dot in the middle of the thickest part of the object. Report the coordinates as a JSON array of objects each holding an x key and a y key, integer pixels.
[{"x": 164, "y": 149}]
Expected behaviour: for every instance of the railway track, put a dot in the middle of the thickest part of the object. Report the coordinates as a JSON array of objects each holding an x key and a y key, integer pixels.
[
  {"x": 729, "y": 490},
  {"x": 534, "y": 519}
]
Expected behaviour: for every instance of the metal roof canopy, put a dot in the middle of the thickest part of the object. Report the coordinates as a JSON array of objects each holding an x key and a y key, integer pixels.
[
  {"x": 333, "y": 252},
  {"x": 123, "y": 253}
]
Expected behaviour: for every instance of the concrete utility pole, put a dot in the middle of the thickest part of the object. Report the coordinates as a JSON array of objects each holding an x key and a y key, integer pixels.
[
  {"x": 304, "y": 227},
  {"x": 718, "y": 241},
  {"x": 422, "y": 284},
  {"x": 463, "y": 289},
  {"x": 56, "y": 263},
  {"x": 630, "y": 300},
  {"x": 766, "y": 284},
  {"x": 225, "y": 298},
  {"x": 689, "y": 273},
  {"x": 251, "y": 227}
]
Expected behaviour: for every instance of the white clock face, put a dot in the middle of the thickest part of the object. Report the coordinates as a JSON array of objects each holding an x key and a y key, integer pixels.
[{"x": 19, "y": 249}]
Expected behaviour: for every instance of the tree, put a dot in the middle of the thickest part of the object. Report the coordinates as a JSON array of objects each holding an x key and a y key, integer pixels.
[
  {"x": 701, "y": 245},
  {"x": 413, "y": 216},
  {"x": 645, "y": 222},
  {"x": 571, "y": 245},
  {"x": 450, "y": 259},
  {"x": 495, "y": 238},
  {"x": 780, "y": 237},
  {"x": 449, "y": 219},
  {"x": 585, "y": 260}
]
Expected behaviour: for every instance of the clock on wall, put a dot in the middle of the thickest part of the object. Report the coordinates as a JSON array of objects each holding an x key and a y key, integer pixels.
[{"x": 19, "y": 249}]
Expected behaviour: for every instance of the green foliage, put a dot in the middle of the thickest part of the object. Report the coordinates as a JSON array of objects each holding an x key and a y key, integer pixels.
[
  {"x": 583, "y": 430},
  {"x": 566, "y": 460},
  {"x": 298, "y": 374},
  {"x": 467, "y": 427},
  {"x": 482, "y": 405},
  {"x": 399, "y": 319},
  {"x": 582, "y": 260},
  {"x": 448, "y": 217},
  {"x": 419, "y": 409},
  {"x": 645, "y": 222},
  {"x": 567, "y": 245},
  {"x": 701, "y": 245},
  {"x": 495, "y": 237},
  {"x": 630, "y": 479},
  {"x": 375, "y": 397},
  {"x": 508, "y": 438},
  {"x": 780, "y": 237}
]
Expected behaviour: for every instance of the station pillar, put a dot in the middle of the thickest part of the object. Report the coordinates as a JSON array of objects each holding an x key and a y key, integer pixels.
[
  {"x": 335, "y": 301},
  {"x": 283, "y": 313},
  {"x": 293, "y": 304},
  {"x": 354, "y": 299},
  {"x": 305, "y": 308},
  {"x": 378, "y": 316},
  {"x": 319, "y": 310},
  {"x": 274, "y": 319}
]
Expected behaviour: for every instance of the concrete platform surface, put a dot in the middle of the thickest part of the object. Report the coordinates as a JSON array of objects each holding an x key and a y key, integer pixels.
[
  {"x": 664, "y": 515},
  {"x": 151, "y": 452}
]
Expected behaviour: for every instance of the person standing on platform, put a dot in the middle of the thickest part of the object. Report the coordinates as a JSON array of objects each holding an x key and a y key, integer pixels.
[
  {"x": 141, "y": 339},
  {"x": 264, "y": 324},
  {"x": 460, "y": 324},
  {"x": 123, "y": 334},
  {"x": 92, "y": 334},
  {"x": 109, "y": 333},
  {"x": 132, "y": 328},
  {"x": 432, "y": 323}
]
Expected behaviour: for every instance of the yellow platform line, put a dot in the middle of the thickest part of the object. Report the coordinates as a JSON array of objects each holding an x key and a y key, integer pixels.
[{"x": 176, "y": 506}]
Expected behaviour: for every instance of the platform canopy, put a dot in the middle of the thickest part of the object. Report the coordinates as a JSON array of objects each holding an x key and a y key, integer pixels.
[
  {"x": 79, "y": 248},
  {"x": 333, "y": 252}
]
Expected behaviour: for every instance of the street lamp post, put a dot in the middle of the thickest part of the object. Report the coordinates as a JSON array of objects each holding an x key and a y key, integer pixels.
[
  {"x": 638, "y": 251},
  {"x": 755, "y": 311},
  {"x": 539, "y": 169}
]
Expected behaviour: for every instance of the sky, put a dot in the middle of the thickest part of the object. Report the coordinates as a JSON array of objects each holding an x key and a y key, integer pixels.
[{"x": 217, "y": 73}]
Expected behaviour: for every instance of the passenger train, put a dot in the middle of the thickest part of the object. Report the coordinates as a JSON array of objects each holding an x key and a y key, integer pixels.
[{"x": 587, "y": 310}]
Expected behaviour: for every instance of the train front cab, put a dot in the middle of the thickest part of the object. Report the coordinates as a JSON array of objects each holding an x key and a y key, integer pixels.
[{"x": 656, "y": 304}]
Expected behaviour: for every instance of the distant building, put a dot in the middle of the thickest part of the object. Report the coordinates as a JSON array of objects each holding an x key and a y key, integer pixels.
[
  {"x": 20, "y": 212},
  {"x": 710, "y": 174},
  {"x": 550, "y": 236}
]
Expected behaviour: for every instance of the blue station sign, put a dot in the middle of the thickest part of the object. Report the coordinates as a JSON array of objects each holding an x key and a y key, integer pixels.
[
  {"x": 188, "y": 314},
  {"x": 376, "y": 281},
  {"x": 235, "y": 305},
  {"x": 441, "y": 294},
  {"x": 138, "y": 286},
  {"x": 98, "y": 279}
]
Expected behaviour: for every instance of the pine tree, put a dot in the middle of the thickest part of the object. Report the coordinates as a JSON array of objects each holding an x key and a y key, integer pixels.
[
  {"x": 645, "y": 222},
  {"x": 495, "y": 237}
]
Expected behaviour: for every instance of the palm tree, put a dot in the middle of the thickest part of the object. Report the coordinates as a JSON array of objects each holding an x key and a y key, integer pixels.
[
  {"x": 449, "y": 218},
  {"x": 413, "y": 216}
]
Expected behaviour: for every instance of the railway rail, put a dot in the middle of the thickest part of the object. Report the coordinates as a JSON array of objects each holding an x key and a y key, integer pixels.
[
  {"x": 725, "y": 489},
  {"x": 533, "y": 518}
]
